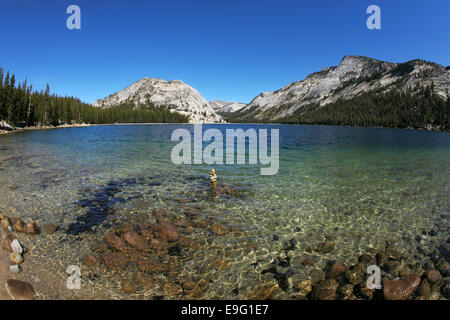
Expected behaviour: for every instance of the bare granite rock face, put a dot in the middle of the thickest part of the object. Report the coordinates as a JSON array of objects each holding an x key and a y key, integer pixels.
[
  {"x": 354, "y": 75},
  {"x": 5, "y": 125},
  {"x": 224, "y": 107},
  {"x": 175, "y": 94}
]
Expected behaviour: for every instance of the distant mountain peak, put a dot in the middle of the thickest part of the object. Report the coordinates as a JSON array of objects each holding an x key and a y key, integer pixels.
[
  {"x": 175, "y": 94},
  {"x": 357, "y": 58},
  {"x": 354, "y": 75},
  {"x": 224, "y": 107}
]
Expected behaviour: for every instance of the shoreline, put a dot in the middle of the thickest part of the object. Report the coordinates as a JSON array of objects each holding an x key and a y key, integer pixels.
[
  {"x": 76, "y": 125},
  {"x": 337, "y": 125},
  {"x": 81, "y": 125}
]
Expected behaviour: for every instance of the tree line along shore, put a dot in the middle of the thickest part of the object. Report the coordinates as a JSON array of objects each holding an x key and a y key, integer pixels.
[
  {"x": 413, "y": 108},
  {"x": 416, "y": 108},
  {"x": 20, "y": 106}
]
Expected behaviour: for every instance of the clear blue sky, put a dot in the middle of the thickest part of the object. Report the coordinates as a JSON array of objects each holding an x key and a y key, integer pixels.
[{"x": 226, "y": 49}]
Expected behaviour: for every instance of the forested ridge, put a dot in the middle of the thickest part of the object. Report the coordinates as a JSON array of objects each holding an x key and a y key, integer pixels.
[
  {"x": 418, "y": 108},
  {"x": 21, "y": 106}
]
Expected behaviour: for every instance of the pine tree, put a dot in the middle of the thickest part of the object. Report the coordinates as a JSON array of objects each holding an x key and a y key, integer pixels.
[
  {"x": 31, "y": 117},
  {"x": 6, "y": 97},
  {"x": 46, "y": 104},
  {"x": 2, "y": 111}
]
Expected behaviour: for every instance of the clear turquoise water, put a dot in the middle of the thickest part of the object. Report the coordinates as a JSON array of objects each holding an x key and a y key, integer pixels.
[{"x": 362, "y": 186}]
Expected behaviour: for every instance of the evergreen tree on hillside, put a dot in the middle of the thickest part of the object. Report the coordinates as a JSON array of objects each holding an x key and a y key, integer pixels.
[
  {"x": 20, "y": 105},
  {"x": 31, "y": 116},
  {"x": 6, "y": 97},
  {"x": 3, "y": 113},
  {"x": 418, "y": 108},
  {"x": 46, "y": 104}
]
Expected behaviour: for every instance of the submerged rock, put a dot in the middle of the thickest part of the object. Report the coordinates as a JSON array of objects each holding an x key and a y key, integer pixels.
[
  {"x": 192, "y": 210},
  {"x": 346, "y": 291},
  {"x": 7, "y": 242},
  {"x": 325, "y": 247},
  {"x": 115, "y": 242},
  {"x": 391, "y": 267},
  {"x": 263, "y": 292},
  {"x": 397, "y": 269},
  {"x": 433, "y": 276},
  {"x": 304, "y": 287},
  {"x": 367, "y": 259},
  {"x": 183, "y": 200},
  {"x": 325, "y": 290},
  {"x": 31, "y": 228},
  {"x": 309, "y": 261},
  {"x": 130, "y": 285},
  {"x": 172, "y": 290},
  {"x": 166, "y": 231},
  {"x": 401, "y": 289},
  {"x": 364, "y": 292},
  {"x": 17, "y": 224},
  {"x": 99, "y": 247},
  {"x": 124, "y": 228},
  {"x": 16, "y": 258},
  {"x": 186, "y": 242},
  {"x": 424, "y": 288},
  {"x": 15, "y": 268},
  {"x": 191, "y": 213},
  {"x": 203, "y": 284},
  {"x": 5, "y": 223},
  {"x": 16, "y": 246},
  {"x": 152, "y": 265},
  {"x": 50, "y": 228},
  {"x": 335, "y": 269},
  {"x": 159, "y": 245},
  {"x": 219, "y": 229},
  {"x": 146, "y": 282},
  {"x": 135, "y": 240},
  {"x": 114, "y": 260},
  {"x": 192, "y": 289},
  {"x": 381, "y": 258},
  {"x": 356, "y": 273},
  {"x": 436, "y": 291},
  {"x": 444, "y": 268},
  {"x": 159, "y": 214},
  {"x": 91, "y": 261},
  {"x": 19, "y": 290}
]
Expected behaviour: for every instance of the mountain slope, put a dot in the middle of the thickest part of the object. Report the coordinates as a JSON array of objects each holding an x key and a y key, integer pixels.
[
  {"x": 354, "y": 76},
  {"x": 224, "y": 107},
  {"x": 175, "y": 95}
]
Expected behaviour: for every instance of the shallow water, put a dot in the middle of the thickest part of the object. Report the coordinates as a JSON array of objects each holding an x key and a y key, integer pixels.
[{"x": 360, "y": 187}]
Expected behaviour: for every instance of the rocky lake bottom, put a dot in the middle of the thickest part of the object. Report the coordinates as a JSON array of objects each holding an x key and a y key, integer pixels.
[{"x": 108, "y": 200}]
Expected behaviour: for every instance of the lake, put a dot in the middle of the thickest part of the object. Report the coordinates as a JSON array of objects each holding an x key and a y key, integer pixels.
[{"x": 357, "y": 188}]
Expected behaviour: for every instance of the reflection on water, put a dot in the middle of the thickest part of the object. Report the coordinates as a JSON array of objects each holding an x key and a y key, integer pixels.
[{"x": 357, "y": 186}]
